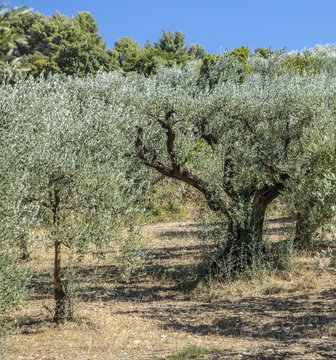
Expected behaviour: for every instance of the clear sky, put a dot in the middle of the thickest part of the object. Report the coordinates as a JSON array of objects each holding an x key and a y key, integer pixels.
[{"x": 215, "y": 24}]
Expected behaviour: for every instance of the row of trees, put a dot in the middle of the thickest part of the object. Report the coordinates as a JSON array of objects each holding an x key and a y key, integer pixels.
[
  {"x": 59, "y": 44},
  {"x": 77, "y": 154},
  {"x": 72, "y": 148}
]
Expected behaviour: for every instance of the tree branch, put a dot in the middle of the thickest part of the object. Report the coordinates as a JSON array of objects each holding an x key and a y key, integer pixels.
[
  {"x": 29, "y": 200},
  {"x": 170, "y": 133},
  {"x": 209, "y": 138},
  {"x": 179, "y": 173}
]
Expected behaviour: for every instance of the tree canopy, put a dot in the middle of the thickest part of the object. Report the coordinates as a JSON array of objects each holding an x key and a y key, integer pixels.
[
  {"x": 169, "y": 50},
  {"x": 239, "y": 140},
  {"x": 61, "y": 44},
  {"x": 61, "y": 172}
]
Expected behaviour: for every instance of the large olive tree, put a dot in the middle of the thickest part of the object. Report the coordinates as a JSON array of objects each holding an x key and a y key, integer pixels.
[{"x": 236, "y": 136}]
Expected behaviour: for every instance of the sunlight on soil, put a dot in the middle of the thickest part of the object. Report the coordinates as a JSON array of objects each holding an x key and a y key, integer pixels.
[{"x": 279, "y": 316}]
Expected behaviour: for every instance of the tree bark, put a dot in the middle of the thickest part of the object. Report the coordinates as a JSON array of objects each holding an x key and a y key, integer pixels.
[
  {"x": 60, "y": 294},
  {"x": 244, "y": 241},
  {"x": 59, "y": 290},
  {"x": 245, "y": 235}
]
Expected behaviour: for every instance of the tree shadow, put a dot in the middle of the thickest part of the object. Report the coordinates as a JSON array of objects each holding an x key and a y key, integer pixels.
[
  {"x": 279, "y": 230},
  {"x": 105, "y": 283},
  {"x": 40, "y": 286},
  {"x": 164, "y": 264},
  {"x": 175, "y": 252},
  {"x": 280, "y": 220},
  {"x": 287, "y": 320},
  {"x": 213, "y": 230},
  {"x": 31, "y": 325},
  {"x": 190, "y": 234}
]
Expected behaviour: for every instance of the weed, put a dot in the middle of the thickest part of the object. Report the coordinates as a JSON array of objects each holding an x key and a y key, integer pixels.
[
  {"x": 192, "y": 352},
  {"x": 132, "y": 256},
  {"x": 251, "y": 261},
  {"x": 271, "y": 288},
  {"x": 307, "y": 282},
  {"x": 330, "y": 254}
]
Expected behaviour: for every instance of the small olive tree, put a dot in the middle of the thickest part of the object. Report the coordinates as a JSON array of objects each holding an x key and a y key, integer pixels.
[
  {"x": 63, "y": 167},
  {"x": 311, "y": 194}
]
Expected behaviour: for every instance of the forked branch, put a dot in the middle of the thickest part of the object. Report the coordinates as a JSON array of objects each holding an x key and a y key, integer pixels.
[{"x": 176, "y": 171}]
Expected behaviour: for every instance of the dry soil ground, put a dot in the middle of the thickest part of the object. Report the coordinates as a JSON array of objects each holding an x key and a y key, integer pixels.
[{"x": 284, "y": 316}]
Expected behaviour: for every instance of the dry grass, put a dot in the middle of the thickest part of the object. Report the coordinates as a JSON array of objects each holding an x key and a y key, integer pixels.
[{"x": 282, "y": 316}]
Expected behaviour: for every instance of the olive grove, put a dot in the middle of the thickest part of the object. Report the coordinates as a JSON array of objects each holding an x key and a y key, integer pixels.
[{"x": 77, "y": 154}]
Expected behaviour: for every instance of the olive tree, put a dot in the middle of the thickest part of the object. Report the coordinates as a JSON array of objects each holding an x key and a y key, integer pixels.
[
  {"x": 238, "y": 140},
  {"x": 311, "y": 194},
  {"x": 61, "y": 158}
]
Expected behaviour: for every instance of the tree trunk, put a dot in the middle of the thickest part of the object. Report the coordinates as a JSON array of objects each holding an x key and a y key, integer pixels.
[
  {"x": 24, "y": 250},
  {"x": 60, "y": 294},
  {"x": 245, "y": 237},
  {"x": 59, "y": 290},
  {"x": 243, "y": 244}
]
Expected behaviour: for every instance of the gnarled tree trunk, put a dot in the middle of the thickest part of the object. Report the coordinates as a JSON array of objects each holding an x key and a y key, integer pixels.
[
  {"x": 244, "y": 208},
  {"x": 245, "y": 237}
]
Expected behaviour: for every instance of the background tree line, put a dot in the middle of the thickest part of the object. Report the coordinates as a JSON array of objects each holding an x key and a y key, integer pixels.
[{"x": 59, "y": 44}]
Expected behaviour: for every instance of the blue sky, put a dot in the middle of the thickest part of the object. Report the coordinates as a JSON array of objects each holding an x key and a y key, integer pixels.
[{"x": 215, "y": 24}]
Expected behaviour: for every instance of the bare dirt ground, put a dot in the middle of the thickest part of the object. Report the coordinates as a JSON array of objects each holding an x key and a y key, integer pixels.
[{"x": 279, "y": 316}]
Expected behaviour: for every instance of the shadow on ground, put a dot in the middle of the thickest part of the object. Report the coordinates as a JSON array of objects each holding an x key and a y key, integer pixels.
[{"x": 283, "y": 320}]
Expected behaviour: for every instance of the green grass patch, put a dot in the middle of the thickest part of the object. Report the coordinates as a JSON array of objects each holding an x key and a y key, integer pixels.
[{"x": 192, "y": 352}]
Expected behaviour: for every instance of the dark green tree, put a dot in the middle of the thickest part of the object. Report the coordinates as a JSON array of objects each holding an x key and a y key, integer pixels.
[
  {"x": 10, "y": 40},
  {"x": 62, "y": 44},
  {"x": 266, "y": 53},
  {"x": 128, "y": 53},
  {"x": 169, "y": 50},
  {"x": 172, "y": 42},
  {"x": 197, "y": 52},
  {"x": 151, "y": 58}
]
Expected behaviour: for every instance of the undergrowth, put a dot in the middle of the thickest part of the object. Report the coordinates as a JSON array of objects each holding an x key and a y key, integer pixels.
[{"x": 191, "y": 352}]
